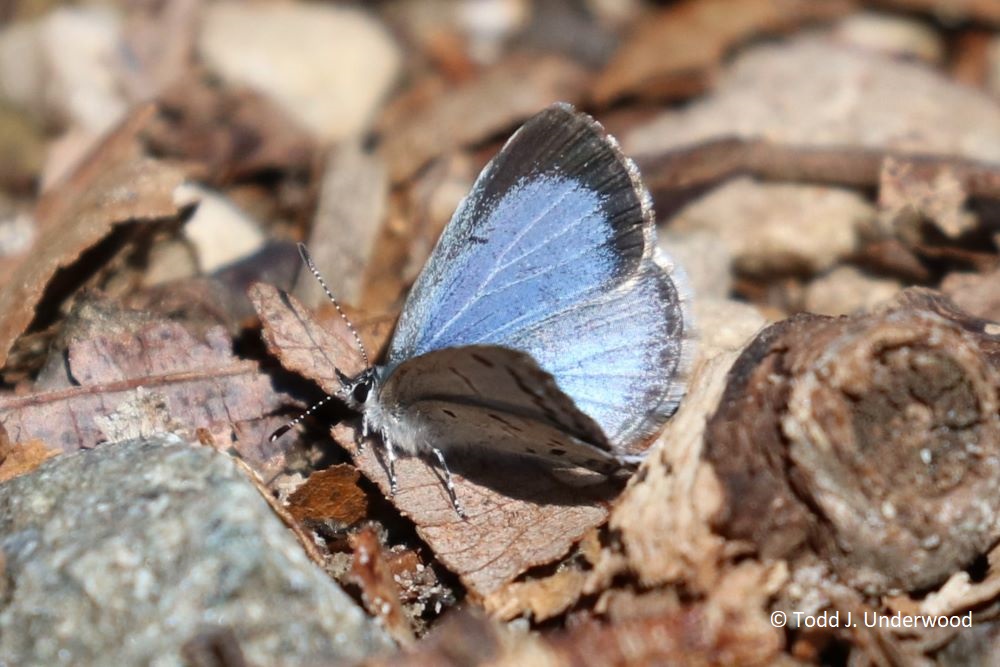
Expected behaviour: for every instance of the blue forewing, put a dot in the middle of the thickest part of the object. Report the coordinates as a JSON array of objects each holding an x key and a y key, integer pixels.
[{"x": 551, "y": 256}]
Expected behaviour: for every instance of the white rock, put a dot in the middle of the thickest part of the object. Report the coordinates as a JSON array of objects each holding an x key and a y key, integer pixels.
[
  {"x": 779, "y": 228},
  {"x": 812, "y": 92},
  {"x": 327, "y": 66},
  {"x": 220, "y": 232},
  {"x": 892, "y": 35},
  {"x": 65, "y": 67},
  {"x": 704, "y": 258},
  {"x": 846, "y": 290}
]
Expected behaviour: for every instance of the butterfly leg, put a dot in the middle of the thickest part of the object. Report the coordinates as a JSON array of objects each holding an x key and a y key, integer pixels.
[
  {"x": 390, "y": 455},
  {"x": 448, "y": 483}
]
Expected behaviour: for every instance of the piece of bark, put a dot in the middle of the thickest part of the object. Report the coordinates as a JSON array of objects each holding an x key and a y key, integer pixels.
[
  {"x": 676, "y": 52},
  {"x": 379, "y": 591},
  {"x": 352, "y": 205},
  {"x": 116, "y": 183},
  {"x": 909, "y": 197},
  {"x": 730, "y": 627},
  {"x": 499, "y": 99},
  {"x": 870, "y": 441}
]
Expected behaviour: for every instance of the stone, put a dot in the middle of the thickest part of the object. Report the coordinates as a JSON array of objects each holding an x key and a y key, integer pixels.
[
  {"x": 219, "y": 231},
  {"x": 773, "y": 228},
  {"x": 891, "y": 35},
  {"x": 329, "y": 67},
  {"x": 810, "y": 92},
  {"x": 846, "y": 290},
  {"x": 62, "y": 67},
  {"x": 704, "y": 259},
  {"x": 122, "y": 554}
]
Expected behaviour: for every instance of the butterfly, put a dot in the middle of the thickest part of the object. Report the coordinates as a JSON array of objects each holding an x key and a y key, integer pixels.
[{"x": 545, "y": 324}]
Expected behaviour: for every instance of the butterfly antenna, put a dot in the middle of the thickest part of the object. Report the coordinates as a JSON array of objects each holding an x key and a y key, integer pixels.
[
  {"x": 319, "y": 278},
  {"x": 354, "y": 332},
  {"x": 295, "y": 422}
]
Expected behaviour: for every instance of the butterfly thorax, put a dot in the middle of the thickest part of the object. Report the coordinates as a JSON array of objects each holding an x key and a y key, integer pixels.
[{"x": 362, "y": 393}]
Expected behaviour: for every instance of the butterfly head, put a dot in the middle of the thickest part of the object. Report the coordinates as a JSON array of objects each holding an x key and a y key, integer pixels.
[{"x": 355, "y": 391}]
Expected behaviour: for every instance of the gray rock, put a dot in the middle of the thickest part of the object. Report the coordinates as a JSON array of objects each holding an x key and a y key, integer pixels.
[{"x": 121, "y": 554}]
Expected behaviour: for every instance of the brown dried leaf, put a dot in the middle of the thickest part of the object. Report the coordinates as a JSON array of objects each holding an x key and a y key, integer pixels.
[
  {"x": 541, "y": 598},
  {"x": 153, "y": 376},
  {"x": 17, "y": 459},
  {"x": 502, "y": 97},
  {"x": 302, "y": 344},
  {"x": 519, "y": 516},
  {"x": 675, "y": 53},
  {"x": 379, "y": 590},
  {"x": 330, "y": 495},
  {"x": 115, "y": 184}
]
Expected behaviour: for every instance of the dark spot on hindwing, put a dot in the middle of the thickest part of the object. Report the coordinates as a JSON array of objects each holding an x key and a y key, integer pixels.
[
  {"x": 557, "y": 452},
  {"x": 449, "y": 413},
  {"x": 483, "y": 360},
  {"x": 512, "y": 427}
]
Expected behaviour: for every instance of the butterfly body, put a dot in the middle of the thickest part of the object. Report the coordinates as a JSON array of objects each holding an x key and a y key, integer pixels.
[{"x": 544, "y": 323}]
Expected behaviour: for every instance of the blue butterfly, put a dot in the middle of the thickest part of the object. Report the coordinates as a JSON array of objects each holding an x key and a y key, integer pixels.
[{"x": 545, "y": 323}]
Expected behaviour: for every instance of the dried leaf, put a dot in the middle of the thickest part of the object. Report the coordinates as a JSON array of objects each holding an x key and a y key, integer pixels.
[
  {"x": 542, "y": 599},
  {"x": 499, "y": 99},
  {"x": 675, "y": 53},
  {"x": 226, "y": 134},
  {"x": 20, "y": 458},
  {"x": 302, "y": 345},
  {"x": 330, "y": 495},
  {"x": 379, "y": 590},
  {"x": 115, "y": 184},
  {"x": 519, "y": 517},
  {"x": 153, "y": 375}
]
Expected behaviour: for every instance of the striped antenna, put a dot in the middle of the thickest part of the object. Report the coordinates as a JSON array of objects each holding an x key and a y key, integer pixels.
[
  {"x": 357, "y": 339},
  {"x": 322, "y": 283}
]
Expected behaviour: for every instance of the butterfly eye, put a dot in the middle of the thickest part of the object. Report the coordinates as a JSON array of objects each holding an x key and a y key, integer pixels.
[{"x": 360, "y": 392}]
